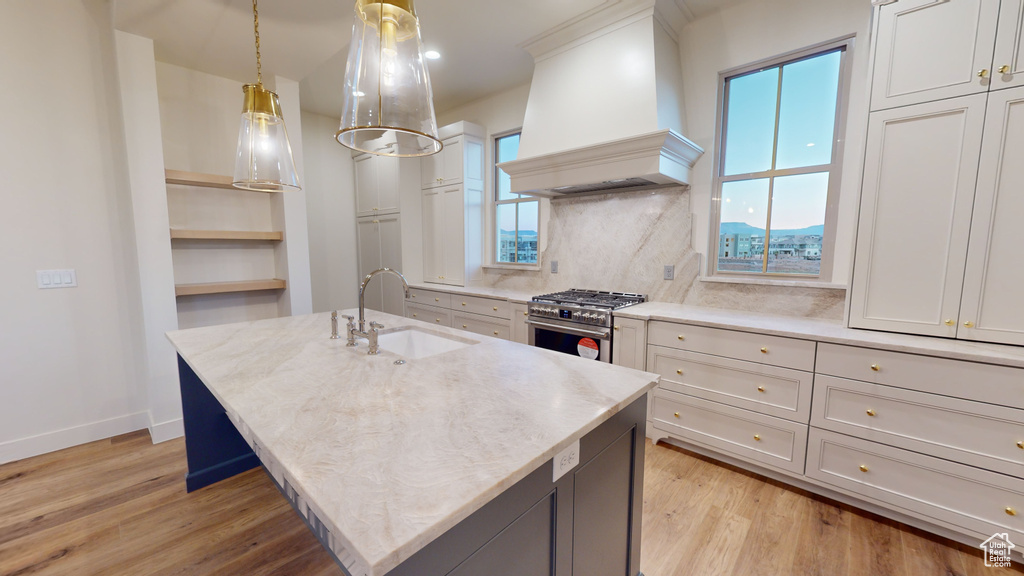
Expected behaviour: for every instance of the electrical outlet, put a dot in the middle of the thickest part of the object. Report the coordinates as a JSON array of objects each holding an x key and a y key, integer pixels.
[
  {"x": 56, "y": 278},
  {"x": 670, "y": 272},
  {"x": 554, "y": 266},
  {"x": 566, "y": 460}
]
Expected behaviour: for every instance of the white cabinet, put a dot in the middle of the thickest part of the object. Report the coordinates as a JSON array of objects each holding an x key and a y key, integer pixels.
[
  {"x": 629, "y": 343},
  {"x": 991, "y": 309},
  {"x": 377, "y": 179},
  {"x": 520, "y": 329},
  {"x": 380, "y": 245},
  {"x": 918, "y": 188},
  {"x": 1008, "y": 61},
  {"x": 453, "y": 213}
]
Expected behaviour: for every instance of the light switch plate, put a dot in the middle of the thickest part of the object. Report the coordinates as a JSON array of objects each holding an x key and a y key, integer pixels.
[
  {"x": 66, "y": 278},
  {"x": 554, "y": 266},
  {"x": 566, "y": 460}
]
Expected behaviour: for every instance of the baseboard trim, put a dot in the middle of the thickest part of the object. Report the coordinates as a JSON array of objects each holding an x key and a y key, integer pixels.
[
  {"x": 60, "y": 439},
  {"x": 164, "y": 431}
]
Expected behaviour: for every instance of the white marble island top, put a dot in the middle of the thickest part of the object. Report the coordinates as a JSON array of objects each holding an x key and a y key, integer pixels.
[{"x": 389, "y": 457}]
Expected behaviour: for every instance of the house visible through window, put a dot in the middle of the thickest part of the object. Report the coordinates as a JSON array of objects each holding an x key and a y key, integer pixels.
[
  {"x": 779, "y": 158},
  {"x": 515, "y": 216}
]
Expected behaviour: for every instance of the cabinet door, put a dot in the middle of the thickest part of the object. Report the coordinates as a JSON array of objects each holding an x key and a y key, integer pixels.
[
  {"x": 431, "y": 169},
  {"x": 366, "y": 185},
  {"x": 629, "y": 342},
  {"x": 453, "y": 230},
  {"x": 452, "y": 161},
  {"x": 991, "y": 309},
  {"x": 433, "y": 229},
  {"x": 390, "y": 229},
  {"x": 520, "y": 329},
  {"x": 387, "y": 184},
  {"x": 932, "y": 49},
  {"x": 1008, "y": 62},
  {"x": 368, "y": 231},
  {"x": 920, "y": 168}
]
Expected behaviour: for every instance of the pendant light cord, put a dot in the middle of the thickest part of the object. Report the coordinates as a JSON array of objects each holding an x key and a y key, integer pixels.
[{"x": 256, "y": 30}]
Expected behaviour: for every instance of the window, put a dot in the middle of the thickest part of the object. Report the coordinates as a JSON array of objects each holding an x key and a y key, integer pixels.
[
  {"x": 778, "y": 165},
  {"x": 515, "y": 216}
]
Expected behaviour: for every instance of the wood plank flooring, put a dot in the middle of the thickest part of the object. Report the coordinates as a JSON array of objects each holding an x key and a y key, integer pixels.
[{"x": 118, "y": 507}]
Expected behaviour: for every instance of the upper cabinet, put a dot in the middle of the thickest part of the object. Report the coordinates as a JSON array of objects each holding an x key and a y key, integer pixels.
[
  {"x": 460, "y": 161},
  {"x": 934, "y": 49},
  {"x": 377, "y": 180}
]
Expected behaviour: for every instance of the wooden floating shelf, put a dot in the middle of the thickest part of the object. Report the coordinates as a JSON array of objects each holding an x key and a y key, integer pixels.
[
  {"x": 204, "y": 180},
  {"x": 179, "y": 234},
  {"x": 228, "y": 287}
]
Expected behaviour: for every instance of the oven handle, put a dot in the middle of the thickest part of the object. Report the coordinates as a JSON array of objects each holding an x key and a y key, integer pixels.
[{"x": 570, "y": 330}]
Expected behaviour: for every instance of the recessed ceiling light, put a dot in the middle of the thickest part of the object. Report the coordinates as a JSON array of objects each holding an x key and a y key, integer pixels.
[{"x": 432, "y": 54}]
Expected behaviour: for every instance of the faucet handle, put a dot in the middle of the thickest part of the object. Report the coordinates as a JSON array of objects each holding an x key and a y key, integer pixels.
[
  {"x": 377, "y": 325},
  {"x": 347, "y": 317}
]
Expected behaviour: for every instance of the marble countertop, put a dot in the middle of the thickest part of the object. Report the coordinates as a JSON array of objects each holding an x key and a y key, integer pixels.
[
  {"x": 388, "y": 456},
  {"x": 513, "y": 296},
  {"x": 826, "y": 331}
]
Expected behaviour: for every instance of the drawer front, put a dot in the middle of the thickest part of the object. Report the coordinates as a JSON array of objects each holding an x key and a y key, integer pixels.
[
  {"x": 747, "y": 435},
  {"x": 429, "y": 298},
  {"x": 990, "y": 437},
  {"x": 936, "y": 490},
  {"x": 477, "y": 305},
  {"x": 766, "y": 389},
  {"x": 1000, "y": 385},
  {"x": 479, "y": 324},
  {"x": 429, "y": 314},
  {"x": 774, "y": 350}
]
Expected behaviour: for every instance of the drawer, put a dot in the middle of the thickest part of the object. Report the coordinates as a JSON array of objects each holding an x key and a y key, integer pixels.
[
  {"x": 942, "y": 492},
  {"x": 999, "y": 385},
  {"x": 771, "y": 390},
  {"x": 477, "y": 305},
  {"x": 768, "y": 441},
  {"x": 429, "y": 314},
  {"x": 990, "y": 437},
  {"x": 774, "y": 350},
  {"x": 479, "y": 324},
  {"x": 430, "y": 297}
]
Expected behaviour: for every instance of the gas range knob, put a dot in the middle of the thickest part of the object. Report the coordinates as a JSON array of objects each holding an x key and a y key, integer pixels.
[
  {"x": 599, "y": 318},
  {"x": 576, "y": 315}
]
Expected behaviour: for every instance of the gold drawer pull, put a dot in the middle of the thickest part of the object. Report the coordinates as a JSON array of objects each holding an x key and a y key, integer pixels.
[
  {"x": 526, "y": 313},
  {"x": 760, "y": 388},
  {"x": 676, "y": 414},
  {"x": 438, "y": 320},
  {"x": 870, "y": 412},
  {"x": 679, "y": 370},
  {"x": 463, "y": 303},
  {"x": 1011, "y": 511},
  {"x": 764, "y": 350},
  {"x": 757, "y": 437},
  {"x": 495, "y": 308},
  {"x": 876, "y": 367},
  {"x": 863, "y": 467},
  {"x": 437, "y": 299},
  {"x": 413, "y": 314},
  {"x": 1020, "y": 444},
  {"x": 414, "y": 295},
  {"x": 495, "y": 332},
  {"x": 681, "y": 337},
  {"x": 463, "y": 325},
  {"x": 615, "y": 327}
]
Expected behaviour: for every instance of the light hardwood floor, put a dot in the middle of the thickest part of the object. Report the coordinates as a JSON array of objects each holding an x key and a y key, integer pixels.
[{"x": 118, "y": 507}]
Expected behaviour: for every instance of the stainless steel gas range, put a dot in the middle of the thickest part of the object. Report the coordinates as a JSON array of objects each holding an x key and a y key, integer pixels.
[{"x": 578, "y": 322}]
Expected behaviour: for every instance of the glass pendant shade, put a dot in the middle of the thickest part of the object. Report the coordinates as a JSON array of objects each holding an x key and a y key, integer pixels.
[
  {"x": 388, "y": 106},
  {"x": 264, "y": 161}
]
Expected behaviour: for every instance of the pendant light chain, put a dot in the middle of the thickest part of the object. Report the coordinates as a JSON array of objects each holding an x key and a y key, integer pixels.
[{"x": 256, "y": 29}]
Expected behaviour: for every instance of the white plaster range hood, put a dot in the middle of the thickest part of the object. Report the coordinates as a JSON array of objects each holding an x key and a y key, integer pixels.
[{"x": 605, "y": 111}]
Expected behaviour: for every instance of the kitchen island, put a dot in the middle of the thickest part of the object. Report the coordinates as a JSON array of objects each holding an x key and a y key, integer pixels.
[{"x": 444, "y": 464}]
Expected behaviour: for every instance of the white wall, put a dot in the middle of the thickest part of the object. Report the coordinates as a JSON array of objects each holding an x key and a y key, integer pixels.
[
  {"x": 759, "y": 29},
  {"x": 330, "y": 212},
  {"x": 68, "y": 358}
]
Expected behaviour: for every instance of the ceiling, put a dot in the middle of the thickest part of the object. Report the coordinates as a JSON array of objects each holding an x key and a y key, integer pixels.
[{"x": 307, "y": 40}]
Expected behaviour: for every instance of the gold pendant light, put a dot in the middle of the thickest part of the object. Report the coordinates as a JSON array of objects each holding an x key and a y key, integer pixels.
[
  {"x": 264, "y": 162},
  {"x": 388, "y": 106}
]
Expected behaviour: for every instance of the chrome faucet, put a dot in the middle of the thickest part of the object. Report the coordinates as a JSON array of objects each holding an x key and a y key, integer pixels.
[{"x": 370, "y": 335}]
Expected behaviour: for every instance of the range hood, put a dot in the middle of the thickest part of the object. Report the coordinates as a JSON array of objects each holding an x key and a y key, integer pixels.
[{"x": 605, "y": 111}]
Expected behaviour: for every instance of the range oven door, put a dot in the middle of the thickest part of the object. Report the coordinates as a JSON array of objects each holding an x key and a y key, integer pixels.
[{"x": 591, "y": 342}]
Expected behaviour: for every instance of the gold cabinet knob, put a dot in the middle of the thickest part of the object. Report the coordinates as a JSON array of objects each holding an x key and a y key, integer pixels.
[
  {"x": 863, "y": 467},
  {"x": 757, "y": 437},
  {"x": 495, "y": 308},
  {"x": 463, "y": 325},
  {"x": 438, "y": 320},
  {"x": 413, "y": 314},
  {"x": 676, "y": 414},
  {"x": 876, "y": 367},
  {"x": 463, "y": 303},
  {"x": 437, "y": 299},
  {"x": 374, "y": 221},
  {"x": 679, "y": 370},
  {"x": 681, "y": 337},
  {"x": 1011, "y": 511},
  {"x": 1020, "y": 444},
  {"x": 1004, "y": 69},
  {"x": 950, "y": 322},
  {"x": 968, "y": 324},
  {"x": 375, "y": 208},
  {"x": 870, "y": 412},
  {"x": 526, "y": 313},
  {"x": 983, "y": 73},
  {"x": 615, "y": 327},
  {"x": 764, "y": 350},
  {"x": 495, "y": 332},
  {"x": 760, "y": 388}
]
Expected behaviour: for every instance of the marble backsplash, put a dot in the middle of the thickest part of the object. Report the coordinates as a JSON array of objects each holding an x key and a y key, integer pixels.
[{"x": 623, "y": 241}]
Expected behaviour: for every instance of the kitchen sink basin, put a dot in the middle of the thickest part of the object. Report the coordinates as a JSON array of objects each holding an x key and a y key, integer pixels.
[{"x": 414, "y": 343}]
